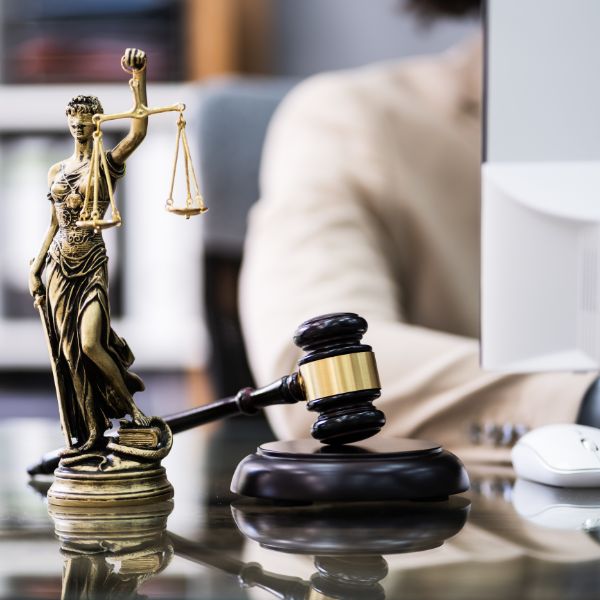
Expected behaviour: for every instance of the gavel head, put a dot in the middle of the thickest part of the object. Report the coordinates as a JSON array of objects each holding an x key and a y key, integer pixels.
[{"x": 339, "y": 378}]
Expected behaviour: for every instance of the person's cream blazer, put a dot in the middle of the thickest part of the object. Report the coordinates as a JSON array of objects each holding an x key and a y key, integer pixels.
[{"x": 370, "y": 203}]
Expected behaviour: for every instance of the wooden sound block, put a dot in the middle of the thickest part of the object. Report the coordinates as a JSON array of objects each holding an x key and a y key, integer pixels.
[{"x": 376, "y": 469}]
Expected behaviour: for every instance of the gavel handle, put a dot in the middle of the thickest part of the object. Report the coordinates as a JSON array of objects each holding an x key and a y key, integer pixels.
[{"x": 248, "y": 401}]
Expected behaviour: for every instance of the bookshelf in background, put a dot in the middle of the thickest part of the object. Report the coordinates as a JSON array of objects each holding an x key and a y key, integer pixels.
[
  {"x": 65, "y": 41},
  {"x": 70, "y": 40}
]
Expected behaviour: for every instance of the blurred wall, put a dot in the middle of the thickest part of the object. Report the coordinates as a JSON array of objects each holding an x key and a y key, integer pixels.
[{"x": 317, "y": 35}]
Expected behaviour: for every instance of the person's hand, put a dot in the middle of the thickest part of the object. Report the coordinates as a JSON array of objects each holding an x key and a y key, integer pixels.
[
  {"x": 36, "y": 287},
  {"x": 134, "y": 59}
]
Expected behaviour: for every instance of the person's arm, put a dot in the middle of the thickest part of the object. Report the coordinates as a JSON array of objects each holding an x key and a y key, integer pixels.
[
  {"x": 317, "y": 243},
  {"x": 136, "y": 61}
]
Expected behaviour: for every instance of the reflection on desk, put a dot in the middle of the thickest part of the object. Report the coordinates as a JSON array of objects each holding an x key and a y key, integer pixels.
[
  {"x": 571, "y": 509},
  {"x": 111, "y": 552},
  {"x": 496, "y": 554}
]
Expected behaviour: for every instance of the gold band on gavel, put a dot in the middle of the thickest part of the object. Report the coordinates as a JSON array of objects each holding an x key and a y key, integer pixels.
[{"x": 339, "y": 374}]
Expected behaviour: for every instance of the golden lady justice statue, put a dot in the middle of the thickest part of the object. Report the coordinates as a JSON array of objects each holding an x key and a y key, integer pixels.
[{"x": 90, "y": 362}]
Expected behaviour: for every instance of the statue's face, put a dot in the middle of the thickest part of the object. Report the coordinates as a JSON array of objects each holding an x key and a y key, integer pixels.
[{"x": 81, "y": 126}]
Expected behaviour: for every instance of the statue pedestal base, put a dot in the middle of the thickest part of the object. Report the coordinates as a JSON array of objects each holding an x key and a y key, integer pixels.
[
  {"x": 108, "y": 552},
  {"x": 93, "y": 489},
  {"x": 126, "y": 472}
]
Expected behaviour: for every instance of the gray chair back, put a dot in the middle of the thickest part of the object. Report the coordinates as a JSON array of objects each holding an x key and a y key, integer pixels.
[{"x": 233, "y": 119}]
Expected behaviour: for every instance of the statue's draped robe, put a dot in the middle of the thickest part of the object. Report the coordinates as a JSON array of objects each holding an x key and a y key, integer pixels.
[{"x": 77, "y": 277}]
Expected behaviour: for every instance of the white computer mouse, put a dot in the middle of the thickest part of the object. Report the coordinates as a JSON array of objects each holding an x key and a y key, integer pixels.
[{"x": 562, "y": 455}]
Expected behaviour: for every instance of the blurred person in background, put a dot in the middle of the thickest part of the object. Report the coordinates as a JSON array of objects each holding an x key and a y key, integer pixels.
[{"x": 370, "y": 203}]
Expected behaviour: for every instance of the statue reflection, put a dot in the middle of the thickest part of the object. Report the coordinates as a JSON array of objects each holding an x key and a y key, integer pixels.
[
  {"x": 109, "y": 555},
  {"x": 115, "y": 571}
]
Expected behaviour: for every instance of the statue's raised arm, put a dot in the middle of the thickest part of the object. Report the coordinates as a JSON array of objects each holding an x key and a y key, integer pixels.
[{"x": 134, "y": 61}]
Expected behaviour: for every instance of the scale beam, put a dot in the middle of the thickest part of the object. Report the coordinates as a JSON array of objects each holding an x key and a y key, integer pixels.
[{"x": 194, "y": 205}]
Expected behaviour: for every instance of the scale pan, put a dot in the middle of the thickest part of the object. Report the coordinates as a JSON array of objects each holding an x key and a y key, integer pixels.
[{"x": 187, "y": 212}]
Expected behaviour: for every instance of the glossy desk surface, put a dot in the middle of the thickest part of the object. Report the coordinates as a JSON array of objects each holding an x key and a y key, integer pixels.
[{"x": 497, "y": 541}]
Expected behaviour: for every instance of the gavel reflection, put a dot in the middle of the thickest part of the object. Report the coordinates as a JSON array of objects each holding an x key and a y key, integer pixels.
[
  {"x": 337, "y": 577},
  {"x": 336, "y": 377}
]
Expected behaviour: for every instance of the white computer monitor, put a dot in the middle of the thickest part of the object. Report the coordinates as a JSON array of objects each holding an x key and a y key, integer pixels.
[{"x": 541, "y": 186}]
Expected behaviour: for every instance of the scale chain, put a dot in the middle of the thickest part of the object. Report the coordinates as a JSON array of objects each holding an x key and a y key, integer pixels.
[
  {"x": 191, "y": 164},
  {"x": 170, "y": 200}
]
